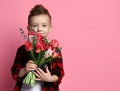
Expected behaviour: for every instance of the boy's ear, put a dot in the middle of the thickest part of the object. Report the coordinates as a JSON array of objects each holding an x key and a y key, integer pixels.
[{"x": 51, "y": 26}]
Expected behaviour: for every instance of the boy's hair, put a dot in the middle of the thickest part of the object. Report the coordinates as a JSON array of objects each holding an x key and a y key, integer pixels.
[{"x": 38, "y": 10}]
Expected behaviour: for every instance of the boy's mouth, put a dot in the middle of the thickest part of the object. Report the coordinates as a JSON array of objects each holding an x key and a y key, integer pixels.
[{"x": 42, "y": 33}]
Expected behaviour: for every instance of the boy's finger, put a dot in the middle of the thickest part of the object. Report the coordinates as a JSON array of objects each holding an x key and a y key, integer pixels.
[
  {"x": 41, "y": 71},
  {"x": 47, "y": 70},
  {"x": 37, "y": 79},
  {"x": 36, "y": 74},
  {"x": 30, "y": 61}
]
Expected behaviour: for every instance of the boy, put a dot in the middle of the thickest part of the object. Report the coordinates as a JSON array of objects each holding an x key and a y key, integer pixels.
[{"x": 39, "y": 19}]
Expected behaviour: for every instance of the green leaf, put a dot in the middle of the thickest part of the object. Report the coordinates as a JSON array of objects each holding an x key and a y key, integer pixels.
[{"x": 30, "y": 79}]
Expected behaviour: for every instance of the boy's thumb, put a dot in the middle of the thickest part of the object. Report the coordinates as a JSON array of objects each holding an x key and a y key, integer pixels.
[{"x": 47, "y": 70}]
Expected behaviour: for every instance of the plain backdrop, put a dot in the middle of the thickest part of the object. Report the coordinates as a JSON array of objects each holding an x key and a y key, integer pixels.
[{"x": 88, "y": 31}]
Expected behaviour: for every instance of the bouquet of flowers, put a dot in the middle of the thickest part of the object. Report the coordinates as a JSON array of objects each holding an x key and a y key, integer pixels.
[{"x": 41, "y": 51}]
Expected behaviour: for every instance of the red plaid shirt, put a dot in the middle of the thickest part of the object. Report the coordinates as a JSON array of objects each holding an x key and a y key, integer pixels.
[{"x": 20, "y": 61}]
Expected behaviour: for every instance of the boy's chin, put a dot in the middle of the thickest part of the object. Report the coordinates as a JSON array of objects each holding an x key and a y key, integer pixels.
[{"x": 44, "y": 35}]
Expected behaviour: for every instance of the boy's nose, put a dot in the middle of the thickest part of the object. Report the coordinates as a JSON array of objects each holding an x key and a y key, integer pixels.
[{"x": 39, "y": 30}]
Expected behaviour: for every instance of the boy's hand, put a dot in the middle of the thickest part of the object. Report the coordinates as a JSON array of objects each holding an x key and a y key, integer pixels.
[
  {"x": 45, "y": 76},
  {"x": 30, "y": 66}
]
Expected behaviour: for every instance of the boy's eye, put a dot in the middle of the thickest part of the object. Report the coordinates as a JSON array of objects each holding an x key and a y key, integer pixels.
[
  {"x": 44, "y": 25},
  {"x": 34, "y": 25}
]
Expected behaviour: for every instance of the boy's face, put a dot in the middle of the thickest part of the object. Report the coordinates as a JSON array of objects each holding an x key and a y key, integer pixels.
[{"x": 41, "y": 24}]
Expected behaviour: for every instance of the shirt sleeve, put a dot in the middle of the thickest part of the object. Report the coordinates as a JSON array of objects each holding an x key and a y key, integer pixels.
[
  {"x": 17, "y": 65},
  {"x": 57, "y": 69}
]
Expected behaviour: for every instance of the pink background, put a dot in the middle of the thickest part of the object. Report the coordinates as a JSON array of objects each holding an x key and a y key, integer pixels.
[{"x": 89, "y": 32}]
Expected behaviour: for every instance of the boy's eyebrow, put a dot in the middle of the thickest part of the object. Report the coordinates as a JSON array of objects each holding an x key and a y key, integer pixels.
[
  {"x": 34, "y": 24},
  {"x": 38, "y": 24},
  {"x": 44, "y": 23}
]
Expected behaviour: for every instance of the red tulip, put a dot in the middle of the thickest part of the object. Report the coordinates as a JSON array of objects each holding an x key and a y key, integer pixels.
[
  {"x": 55, "y": 54},
  {"x": 28, "y": 46},
  {"x": 41, "y": 45},
  {"x": 37, "y": 51},
  {"x": 31, "y": 33},
  {"x": 39, "y": 37},
  {"x": 54, "y": 43}
]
